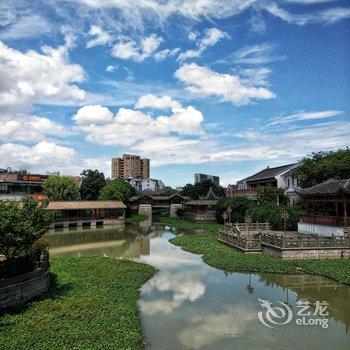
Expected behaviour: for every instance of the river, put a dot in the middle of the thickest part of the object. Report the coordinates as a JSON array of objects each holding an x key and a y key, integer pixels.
[{"x": 190, "y": 305}]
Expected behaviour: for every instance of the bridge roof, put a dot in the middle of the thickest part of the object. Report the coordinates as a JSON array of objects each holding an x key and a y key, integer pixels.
[
  {"x": 76, "y": 205},
  {"x": 157, "y": 197}
]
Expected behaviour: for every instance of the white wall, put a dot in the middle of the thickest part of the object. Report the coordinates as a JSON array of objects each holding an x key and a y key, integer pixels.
[{"x": 321, "y": 230}]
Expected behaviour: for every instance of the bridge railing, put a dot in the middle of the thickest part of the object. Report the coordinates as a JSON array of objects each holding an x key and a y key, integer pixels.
[{"x": 302, "y": 241}]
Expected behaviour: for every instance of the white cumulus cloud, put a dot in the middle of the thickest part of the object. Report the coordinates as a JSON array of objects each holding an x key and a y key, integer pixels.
[
  {"x": 29, "y": 128},
  {"x": 31, "y": 77},
  {"x": 129, "y": 127},
  {"x": 232, "y": 88},
  {"x": 93, "y": 114},
  {"x": 138, "y": 51},
  {"x": 40, "y": 155},
  {"x": 100, "y": 37},
  {"x": 153, "y": 101}
]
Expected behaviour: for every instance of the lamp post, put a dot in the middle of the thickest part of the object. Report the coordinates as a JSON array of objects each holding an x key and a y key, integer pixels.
[
  {"x": 224, "y": 217},
  {"x": 249, "y": 287},
  {"x": 285, "y": 216},
  {"x": 229, "y": 211},
  {"x": 248, "y": 221}
]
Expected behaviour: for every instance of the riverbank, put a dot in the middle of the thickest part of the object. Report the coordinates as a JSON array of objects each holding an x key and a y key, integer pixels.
[
  {"x": 135, "y": 218},
  {"x": 184, "y": 224},
  {"x": 226, "y": 258},
  {"x": 93, "y": 305}
]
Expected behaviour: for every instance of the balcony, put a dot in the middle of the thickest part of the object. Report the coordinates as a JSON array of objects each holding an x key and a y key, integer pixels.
[{"x": 246, "y": 192}]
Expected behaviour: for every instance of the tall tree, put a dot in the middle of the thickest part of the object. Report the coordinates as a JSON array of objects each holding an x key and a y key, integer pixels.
[
  {"x": 92, "y": 184},
  {"x": 117, "y": 190},
  {"x": 61, "y": 188},
  {"x": 321, "y": 166},
  {"x": 201, "y": 189}
]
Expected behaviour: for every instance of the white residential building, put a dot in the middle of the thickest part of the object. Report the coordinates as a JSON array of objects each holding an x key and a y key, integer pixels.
[
  {"x": 149, "y": 185},
  {"x": 281, "y": 177}
]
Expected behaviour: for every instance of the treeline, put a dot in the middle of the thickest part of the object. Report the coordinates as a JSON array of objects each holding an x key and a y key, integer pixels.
[{"x": 93, "y": 186}]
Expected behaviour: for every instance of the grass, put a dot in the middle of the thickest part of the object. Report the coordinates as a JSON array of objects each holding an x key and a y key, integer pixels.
[
  {"x": 224, "y": 257},
  {"x": 92, "y": 306},
  {"x": 135, "y": 218},
  {"x": 180, "y": 223}
]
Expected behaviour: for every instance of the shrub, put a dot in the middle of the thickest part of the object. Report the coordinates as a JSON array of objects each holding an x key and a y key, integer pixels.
[
  {"x": 180, "y": 212},
  {"x": 16, "y": 266},
  {"x": 38, "y": 246},
  {"x": 272, "y": 213},
  {"x": 272, "y": 195},
  {"x": 21, "y": 225}
]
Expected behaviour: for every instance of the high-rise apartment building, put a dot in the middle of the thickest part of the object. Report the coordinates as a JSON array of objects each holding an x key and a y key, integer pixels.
[
  {"x": 130, "y": 166},
  {"x": 201, "y": 177}
]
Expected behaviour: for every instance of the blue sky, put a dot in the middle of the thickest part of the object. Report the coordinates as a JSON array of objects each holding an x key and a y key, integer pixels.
[{"x": 224, "y": 87}]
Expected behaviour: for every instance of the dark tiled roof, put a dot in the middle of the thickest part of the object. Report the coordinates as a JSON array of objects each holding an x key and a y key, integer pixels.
[
  {"x": 210, "y": 195},
  {"x": 241, "y": 181},
  {"x": 8, "y": 177},
  {"x": 202, "y": 202},
  {"x": 269, "y": 173},
  {"x": 75, "y": 205},
  {"x": 330, "y": 186},
  {"x": 158, "y": 197}
]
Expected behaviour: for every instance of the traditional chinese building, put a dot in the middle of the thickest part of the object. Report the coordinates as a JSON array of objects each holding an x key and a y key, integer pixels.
[
  {"x": 203, "y": 209},
  {"x": 328, "y": 208},
  {"x": 80, "y": 213}
]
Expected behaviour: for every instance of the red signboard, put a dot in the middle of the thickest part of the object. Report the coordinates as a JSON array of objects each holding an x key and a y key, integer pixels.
[{"x": 32, "y": 178}]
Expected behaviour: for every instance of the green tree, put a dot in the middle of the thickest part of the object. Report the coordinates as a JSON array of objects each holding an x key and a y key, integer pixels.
[
  {"x": 61, "y": 188},
  {"x": 21, "y": 225},
  {"x": 169, "y": 192},
  {"x": 321, "y": 166},
  {"x": 239, "y": 206},
  {"x": 92, "y": 184},
  {"x": 200, "y": 189},
  {"x": 272, "y": 195},
  {"x": 117, "y": 190},
  {"x": 188, "y": 191}
]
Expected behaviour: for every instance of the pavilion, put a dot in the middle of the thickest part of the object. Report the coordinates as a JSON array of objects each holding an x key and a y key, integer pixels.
[
  {"x": 328, "y": 207},
  {"x": 203, "y": 209}
]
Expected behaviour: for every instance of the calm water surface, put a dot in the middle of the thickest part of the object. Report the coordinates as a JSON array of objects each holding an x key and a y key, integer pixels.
[{"x": 190, "y": 305}]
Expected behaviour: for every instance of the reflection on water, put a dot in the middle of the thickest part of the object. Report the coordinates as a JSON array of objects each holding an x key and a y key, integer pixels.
[
  {"x": 116, "y": 242},
  {"x": 190, "y": 305}
]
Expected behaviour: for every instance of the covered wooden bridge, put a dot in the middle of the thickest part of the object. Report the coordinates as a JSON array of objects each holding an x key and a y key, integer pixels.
[{"x": 81, "y": 213}]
